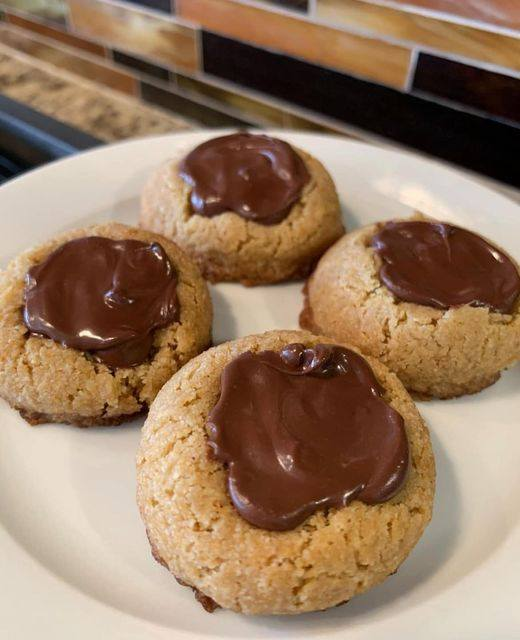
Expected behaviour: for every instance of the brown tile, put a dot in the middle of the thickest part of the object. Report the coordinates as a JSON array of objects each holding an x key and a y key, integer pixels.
[
  {"x": 494, "y": 93},
  {"x": 56, "y": 34},
  {"x": 181, "y": 105},
  {"x": 44, "y": 50},
  {"x": 267, "y": 114},
  {"x": 135, "y": 31},
  {"x": 142, "y": 66},
  {"x": 55, "y": 10},
  {"x": 445, "y": 36},
  {"x": 505, "y": 13},
  {"x": 366, "y": 57}
]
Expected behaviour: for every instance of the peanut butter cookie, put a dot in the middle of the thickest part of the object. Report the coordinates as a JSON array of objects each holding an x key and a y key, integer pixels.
[
  {"x": 247, "y": 208},
  {"x": 245, "y": 549},
  {"x": 93, "y": 323},
  {"x": 437, "y": 304}
]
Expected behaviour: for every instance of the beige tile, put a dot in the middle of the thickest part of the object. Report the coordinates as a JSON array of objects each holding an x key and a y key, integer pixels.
[
  {"x": 441, "y": 35},
  {"x": 42, "y": 49},
  {"x": 505, "y": 13},
  {"x": 56, "y": 34},
  {"x": 55, "y": 10},
  {"x": 367, "y": 57},
  {"x": 135, "y": 31}
]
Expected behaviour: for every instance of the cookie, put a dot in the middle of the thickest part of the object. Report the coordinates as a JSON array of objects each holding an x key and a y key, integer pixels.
[
  {"x": 320, "y": 555},
  {"x": 55, "y": 294},
  {"x": 439, "y": 305},
  {"x": 247, "y": 208}
]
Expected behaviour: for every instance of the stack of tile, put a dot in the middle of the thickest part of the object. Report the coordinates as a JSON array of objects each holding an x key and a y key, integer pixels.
[{"x": 441, "y": 76}]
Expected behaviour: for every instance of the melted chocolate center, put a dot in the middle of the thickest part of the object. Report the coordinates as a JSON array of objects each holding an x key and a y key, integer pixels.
[
  {"x": 101, "y": 295},
  {"x": 258, "y": 177},
  {"x": 302, "y": 430},
  {"x": 442, "y": 266}
]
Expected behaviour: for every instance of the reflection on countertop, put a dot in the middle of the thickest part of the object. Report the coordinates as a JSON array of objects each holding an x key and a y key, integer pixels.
[{"x": 101, "y": 112}]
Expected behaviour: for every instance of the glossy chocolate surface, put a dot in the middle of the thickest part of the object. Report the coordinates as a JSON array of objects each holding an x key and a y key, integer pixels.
[
  {"x": 439, "y": 265},
  {"x": 305, "y": 429},
  {"x": 258, "y": 177},
  {"x": 102, "y": 296}
]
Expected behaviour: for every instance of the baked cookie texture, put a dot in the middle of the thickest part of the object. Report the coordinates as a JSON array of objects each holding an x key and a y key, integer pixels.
[
  {"x": 195, "y": 531},
  {"x": 435, "y": 353},
  {"x": 47, "y": 382},
  {"x": 229, "y": 248}
]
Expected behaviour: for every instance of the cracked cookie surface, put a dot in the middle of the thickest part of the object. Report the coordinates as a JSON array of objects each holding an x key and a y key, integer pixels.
[
  {"x": 195, "y": 530},
  {"x": 48, "y": 382},
  {"x": 230, "y": 248},
  {"x": 435, "y": 352}
]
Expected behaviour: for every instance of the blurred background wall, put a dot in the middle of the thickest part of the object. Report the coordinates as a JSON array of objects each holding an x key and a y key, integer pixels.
[{"x": 440, "y": 76}]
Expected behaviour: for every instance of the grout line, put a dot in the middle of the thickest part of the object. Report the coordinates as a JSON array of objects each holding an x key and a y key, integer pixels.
[
  {"x": 412, "y": 66},
  {"x": 71, "y": 24},
  {"x": 68, "y": 19},
  {"x": 199, "y": 48}
]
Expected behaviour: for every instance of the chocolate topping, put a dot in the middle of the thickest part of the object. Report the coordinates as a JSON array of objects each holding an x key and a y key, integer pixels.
[
  {"x": 442, "y": 266},
  {"x": 305, "y": 429},
  {"x": 102, "y": 295},
  {"x": 257, "y": 177}
]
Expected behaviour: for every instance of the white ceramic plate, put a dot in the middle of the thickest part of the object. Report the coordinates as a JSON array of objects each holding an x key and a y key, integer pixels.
[{"x": 74, "y": 560}]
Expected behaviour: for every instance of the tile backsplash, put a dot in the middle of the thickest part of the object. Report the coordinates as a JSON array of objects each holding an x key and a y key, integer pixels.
[{"x": 441, "y": 76}]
